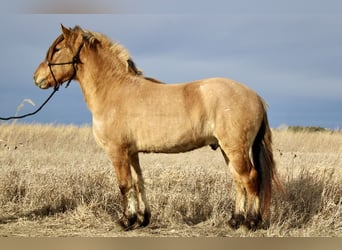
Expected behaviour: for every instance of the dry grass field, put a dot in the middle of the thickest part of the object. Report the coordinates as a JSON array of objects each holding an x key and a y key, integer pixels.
[{"x": 55, "y": 181}]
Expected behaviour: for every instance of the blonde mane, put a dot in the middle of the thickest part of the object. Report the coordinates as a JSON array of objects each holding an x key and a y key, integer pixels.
[{"x": 117, "y": 50}]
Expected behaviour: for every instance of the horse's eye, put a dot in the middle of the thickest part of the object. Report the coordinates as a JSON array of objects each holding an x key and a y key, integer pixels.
[{"x": 55, "y": 50}]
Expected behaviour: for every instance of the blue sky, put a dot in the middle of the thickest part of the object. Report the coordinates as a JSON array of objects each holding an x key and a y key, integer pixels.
[{"x": 290, "y": 52}]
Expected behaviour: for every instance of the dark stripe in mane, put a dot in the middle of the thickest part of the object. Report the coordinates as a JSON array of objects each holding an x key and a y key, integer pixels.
[
  {"x": 153, "y": 80},
  {"x": 133, "y": 68}
]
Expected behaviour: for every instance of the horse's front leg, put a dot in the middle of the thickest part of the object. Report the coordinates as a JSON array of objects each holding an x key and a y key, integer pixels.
[
  {"x": 121, "y": 162},
  {"x": 144, "y": 213}
]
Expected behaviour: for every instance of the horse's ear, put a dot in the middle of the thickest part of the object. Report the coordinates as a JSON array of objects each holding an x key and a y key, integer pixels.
[{"x": 66, "y": 32}]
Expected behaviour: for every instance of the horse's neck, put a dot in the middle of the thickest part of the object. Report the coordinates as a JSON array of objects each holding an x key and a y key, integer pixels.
[{"x": 99, "y": 79}]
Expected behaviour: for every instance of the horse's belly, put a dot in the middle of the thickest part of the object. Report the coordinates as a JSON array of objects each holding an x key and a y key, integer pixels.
[
  {"x": 174, "y": 140},
  {"x": 176, "y": 147}
]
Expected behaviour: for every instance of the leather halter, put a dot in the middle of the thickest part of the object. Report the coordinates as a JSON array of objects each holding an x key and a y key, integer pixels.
[{"x": 75, "y": 60}]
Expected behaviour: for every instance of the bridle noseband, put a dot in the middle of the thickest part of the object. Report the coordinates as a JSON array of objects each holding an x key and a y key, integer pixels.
[{"x": 75, "y": 60}]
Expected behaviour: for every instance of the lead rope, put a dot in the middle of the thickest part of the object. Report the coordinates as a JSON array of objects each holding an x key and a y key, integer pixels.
[{"x": 32, "y": 113}]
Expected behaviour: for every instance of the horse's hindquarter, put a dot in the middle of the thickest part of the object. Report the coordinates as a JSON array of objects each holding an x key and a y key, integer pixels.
[{"x": 237, "y": 111}]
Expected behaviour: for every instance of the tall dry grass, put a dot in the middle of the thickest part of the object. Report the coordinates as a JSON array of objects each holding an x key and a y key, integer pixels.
[{"x": 54, "y": 180}]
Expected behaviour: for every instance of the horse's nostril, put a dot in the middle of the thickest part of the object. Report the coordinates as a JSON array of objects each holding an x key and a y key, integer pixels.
[{"x": 35, "y": 79}]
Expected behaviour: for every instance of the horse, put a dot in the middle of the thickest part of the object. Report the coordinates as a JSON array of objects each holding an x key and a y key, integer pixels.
[{"x": 134, "y": 114}]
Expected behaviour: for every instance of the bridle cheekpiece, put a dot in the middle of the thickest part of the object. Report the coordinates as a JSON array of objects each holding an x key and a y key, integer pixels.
[{"x": 75, "y": 60}]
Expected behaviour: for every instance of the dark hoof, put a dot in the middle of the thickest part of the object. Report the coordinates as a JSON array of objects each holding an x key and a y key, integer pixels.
[
  {"x": 253, "y": 222},
  {"x": 236, "y": 221},
  {"x": 128, "y": 223},
  {"x": 145, "y": 219}
]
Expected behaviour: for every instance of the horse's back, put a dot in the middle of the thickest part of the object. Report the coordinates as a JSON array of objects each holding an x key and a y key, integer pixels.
[
  {"x": 208, "y": 101},
  {"x": 228, "y": 96}
]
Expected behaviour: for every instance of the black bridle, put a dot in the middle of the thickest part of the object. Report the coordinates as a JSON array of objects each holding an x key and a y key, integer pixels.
[{"x": 75, "y": 60}]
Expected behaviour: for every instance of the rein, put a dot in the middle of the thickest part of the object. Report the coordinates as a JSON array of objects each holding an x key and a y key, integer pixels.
[{"x": 75, "y": 60}]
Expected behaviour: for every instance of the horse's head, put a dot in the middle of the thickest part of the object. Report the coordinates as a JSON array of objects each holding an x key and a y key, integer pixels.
[
  {"x": 65, "y": 57},
  {"x": 62, "y": 58}
]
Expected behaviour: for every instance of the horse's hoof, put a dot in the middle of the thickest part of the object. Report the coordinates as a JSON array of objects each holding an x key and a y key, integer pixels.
[
  {"x": 128, "y": 223},
  {"x": 236, "y": 221},
  {"x": 145, "y": 219},
  {"x": 253, "y": 222}
]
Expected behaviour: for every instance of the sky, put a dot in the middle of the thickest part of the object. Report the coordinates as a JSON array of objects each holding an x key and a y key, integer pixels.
[{"x": 289, "y": 52}]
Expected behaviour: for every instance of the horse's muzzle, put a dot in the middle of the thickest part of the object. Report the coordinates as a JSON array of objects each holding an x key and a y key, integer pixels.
[{"x": 41, "y": 83}]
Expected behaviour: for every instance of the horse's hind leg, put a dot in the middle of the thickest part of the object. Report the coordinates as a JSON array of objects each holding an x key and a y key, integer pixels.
[
  {"x": 144, "y": 213},
  {"x": 247, "y": 205},
  {"x": 238, "y": 214}
]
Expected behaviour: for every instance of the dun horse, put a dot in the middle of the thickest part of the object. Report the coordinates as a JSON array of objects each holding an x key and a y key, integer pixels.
[{"x": 132, "y": 113}]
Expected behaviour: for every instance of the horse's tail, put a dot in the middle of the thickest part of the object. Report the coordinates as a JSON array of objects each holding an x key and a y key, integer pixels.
[{"x": 264, "y": 164}]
